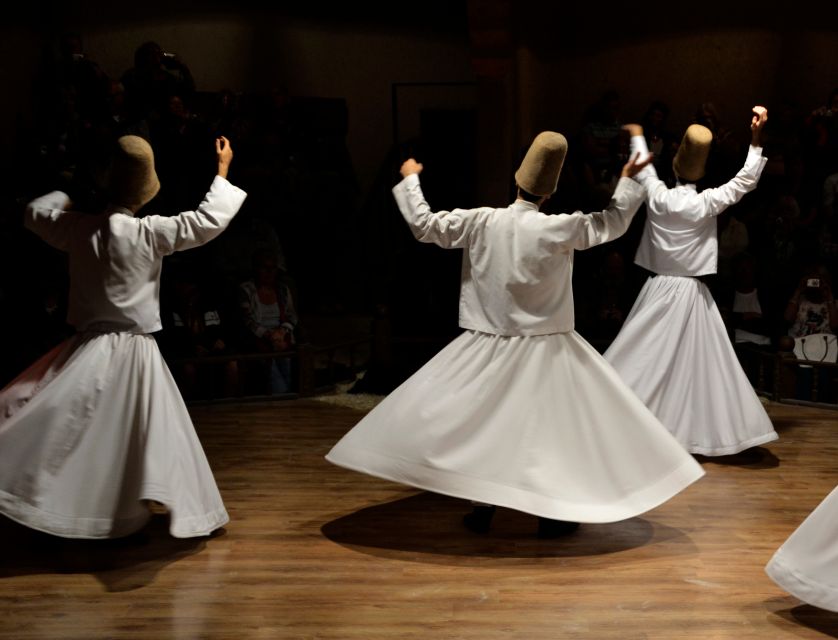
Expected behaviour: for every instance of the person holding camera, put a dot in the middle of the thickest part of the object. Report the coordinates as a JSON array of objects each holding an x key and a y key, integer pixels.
[
  {"x": 674, "y": 350},
  {"x": 811, "y": 308}
]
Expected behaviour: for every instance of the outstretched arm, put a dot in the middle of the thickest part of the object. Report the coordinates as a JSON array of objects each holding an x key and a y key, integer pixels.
[
  {"x": 648, "y": 176},
  {"x": 581, "y": 231},
  {"x": 449, "y": 229},
  {"x": 720, "y": 198},
  {"x": 194, "y": 228},
  {"x": 48, "y": 217}
]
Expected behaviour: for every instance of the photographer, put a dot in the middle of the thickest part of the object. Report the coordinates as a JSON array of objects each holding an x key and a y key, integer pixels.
[
  {"x": 812, "y": 308},
  {"x": 154, "y": 78}
]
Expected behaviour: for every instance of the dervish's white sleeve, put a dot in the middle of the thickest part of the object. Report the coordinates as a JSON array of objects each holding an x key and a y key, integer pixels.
[
  {"x": 581, "y": 231},
  {"x": 648, "y": 175},
  {"x": 194, "y": 228},
  {"x": 449, "y": 229},
  {"x": 47, "y": 216},
  {"x": 718, "y": 199}
]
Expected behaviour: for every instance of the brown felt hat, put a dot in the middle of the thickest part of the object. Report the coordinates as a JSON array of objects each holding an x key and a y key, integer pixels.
[
  {"x": 539, "y": 172},
  {"x": 133, "y": 181},
  {"x": 690, "y": 161}
]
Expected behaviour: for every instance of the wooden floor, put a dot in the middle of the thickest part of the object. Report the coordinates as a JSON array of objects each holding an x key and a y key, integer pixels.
[{"x": 314, "y": 551}]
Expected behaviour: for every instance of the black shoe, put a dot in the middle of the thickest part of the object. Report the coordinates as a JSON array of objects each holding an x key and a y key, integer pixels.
[
  {"x": 548, "y": 529},
  {"x": 479, "y": 520}
]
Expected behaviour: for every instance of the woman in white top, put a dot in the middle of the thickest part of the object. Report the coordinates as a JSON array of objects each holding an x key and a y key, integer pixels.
[
  {"x": 96, "y": 428},
  {"x": 673, "y": 349}
]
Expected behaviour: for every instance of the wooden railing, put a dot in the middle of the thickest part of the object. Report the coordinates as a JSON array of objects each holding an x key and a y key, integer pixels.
[
  {"x": 780, "y": 376},
  {"x": 305, "y": 355}
]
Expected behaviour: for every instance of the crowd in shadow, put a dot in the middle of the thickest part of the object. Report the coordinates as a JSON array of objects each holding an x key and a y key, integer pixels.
[
  {"x": 243, "y": 293},
  {"x": 301, "y": 245}
]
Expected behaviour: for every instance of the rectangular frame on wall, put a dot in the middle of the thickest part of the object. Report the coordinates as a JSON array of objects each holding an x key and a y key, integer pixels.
[{"x": 408, "y": 99}]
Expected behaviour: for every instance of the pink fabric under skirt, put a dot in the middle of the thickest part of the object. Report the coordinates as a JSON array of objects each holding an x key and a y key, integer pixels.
[{"x": 93, "y": 428}]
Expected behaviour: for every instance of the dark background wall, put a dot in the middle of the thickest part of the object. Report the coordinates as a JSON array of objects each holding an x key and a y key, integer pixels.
[
  {"x": 548, "y": 61},
  {"x": 463, "y": 84}
]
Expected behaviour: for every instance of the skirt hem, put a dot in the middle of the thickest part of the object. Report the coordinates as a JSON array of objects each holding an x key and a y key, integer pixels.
[
  {"x": 802, "y": 587},
  {"x": 458, "y": 485}
]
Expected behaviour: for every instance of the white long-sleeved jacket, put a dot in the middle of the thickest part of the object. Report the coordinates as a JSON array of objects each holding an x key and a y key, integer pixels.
[
  {"x": 517, "y": 261},
  {"x": 115, "y": 258},
  {"x": 679, "y": 238}
]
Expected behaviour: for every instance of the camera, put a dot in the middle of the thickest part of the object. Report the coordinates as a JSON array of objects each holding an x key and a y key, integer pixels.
[
  {"x": 169, "y": 60},
  {"x": 813, "y": 283}
]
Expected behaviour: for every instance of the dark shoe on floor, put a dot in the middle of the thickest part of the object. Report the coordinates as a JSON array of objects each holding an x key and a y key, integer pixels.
[
  {"x": 479, "y": 520},
  {"x": 548, "y": 528}
]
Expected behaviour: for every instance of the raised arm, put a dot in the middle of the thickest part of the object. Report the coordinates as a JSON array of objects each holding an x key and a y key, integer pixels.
[
  {"x": 48, "y": 217},
  {"x": 449, "y": 229},
  {"x": 580, "y": 231},
  {"x": 648, "y": 176},
  {"x": 718, "y": 199},
  {"x": 194, "y": 228}
]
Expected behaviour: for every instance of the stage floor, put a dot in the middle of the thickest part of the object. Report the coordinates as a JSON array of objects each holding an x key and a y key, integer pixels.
[{"x": 317, "y": 552}]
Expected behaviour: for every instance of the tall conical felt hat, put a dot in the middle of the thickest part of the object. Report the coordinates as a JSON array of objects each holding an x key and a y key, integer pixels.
[
  {"x": 692, "y": 155},
  {"x": 539, "y": 172},
  {"x": 133, "y": 181}
]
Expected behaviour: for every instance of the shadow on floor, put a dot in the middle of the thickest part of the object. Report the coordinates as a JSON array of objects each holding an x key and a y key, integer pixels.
[
  {"x": 121, "y": 564},
  {"x": 430, "y": 525}
]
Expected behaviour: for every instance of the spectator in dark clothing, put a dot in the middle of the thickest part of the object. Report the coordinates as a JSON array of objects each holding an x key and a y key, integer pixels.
[
  {"x": 155, "y": 76},
  {"x": 193, "y": 329}
]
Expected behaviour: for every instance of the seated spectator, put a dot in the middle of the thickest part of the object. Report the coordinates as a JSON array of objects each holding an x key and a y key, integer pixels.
[
  {"x": 812, "y": 308},
  {"x": 269, "y": 317},
  {"x": 814, "y": 319},
  {"x": 745, "y": 308},
  {"x": 193, "y": 330}
]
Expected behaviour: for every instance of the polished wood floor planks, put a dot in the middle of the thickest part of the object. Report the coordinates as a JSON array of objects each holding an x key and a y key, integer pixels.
[{"x": 317, "y": 552}]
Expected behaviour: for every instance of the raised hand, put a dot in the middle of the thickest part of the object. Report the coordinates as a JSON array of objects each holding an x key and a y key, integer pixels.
[
  {"x": 410, "y": 166},
  {"x": 633, "y": 129},
  {"x": 635, "y": 165},
  {"x": 758, "y": 121},
  {"x": 224, "y": 153}
]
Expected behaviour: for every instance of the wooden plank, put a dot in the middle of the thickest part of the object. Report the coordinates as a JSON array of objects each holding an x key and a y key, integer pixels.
[{"x": 315, "y": 551}]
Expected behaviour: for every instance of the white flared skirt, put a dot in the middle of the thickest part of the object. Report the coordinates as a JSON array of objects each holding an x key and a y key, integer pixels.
[
  {"x": 675, "y": 354},
  {"x": 92, "y": 429},
  {"x": 807, "y": 564},
  {"x": 541, "y": 424}
]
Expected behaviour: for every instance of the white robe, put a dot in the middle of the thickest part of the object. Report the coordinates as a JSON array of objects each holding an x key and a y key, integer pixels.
[
  {"x": 806, "y": 565},
  {"x": 520, "y": 411},
  {"x": 97, "y": 425},
  {"x": 673, "y": 349}
]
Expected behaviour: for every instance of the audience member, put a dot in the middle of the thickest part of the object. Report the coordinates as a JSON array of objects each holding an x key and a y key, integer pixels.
[
  {"x": 192, "y": 330},
  {"x": 155, "y": 76},
  {"x": 811, "y": 308},
  {"x": 269, "y": 317}
]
